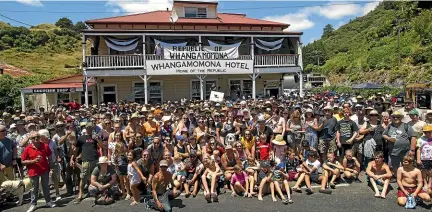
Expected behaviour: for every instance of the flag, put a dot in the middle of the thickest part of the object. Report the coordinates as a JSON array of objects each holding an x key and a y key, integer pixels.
[{"x": 174, "y": 17}]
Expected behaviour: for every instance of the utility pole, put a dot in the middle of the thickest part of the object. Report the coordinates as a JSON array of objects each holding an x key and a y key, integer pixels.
[{"x": 399, "y": 21}]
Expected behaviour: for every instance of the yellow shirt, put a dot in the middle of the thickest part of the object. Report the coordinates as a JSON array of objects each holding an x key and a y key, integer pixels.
[
  {"x": 338, "y": 117},
  {"x": 248, "y": 144}
]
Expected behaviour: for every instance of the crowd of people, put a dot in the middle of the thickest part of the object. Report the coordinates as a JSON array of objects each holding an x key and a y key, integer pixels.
[{"x": 248, "y": 148}]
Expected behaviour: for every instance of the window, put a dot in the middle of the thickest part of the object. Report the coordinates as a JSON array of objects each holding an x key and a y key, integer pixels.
[
  {"x": 138, "y": 91},
  {"x": 109, "y": 94},
  {"x": 63, "y": 97},
  {"x": 90, "y": 97},
  {"x": 195, "y": 90},
  {"x": 155, "y": 92},
  {"x": 210, "y": 85},
  {"x": 194, "y": 12},
  {"x": 240, "y": 88}
]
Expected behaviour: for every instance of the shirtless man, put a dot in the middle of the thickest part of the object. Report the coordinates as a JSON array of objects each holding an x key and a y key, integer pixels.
[
  {"x": 410, "y": 182},
  {"x": 161, "y": 195},
  {"x": 379, "y": 173}
]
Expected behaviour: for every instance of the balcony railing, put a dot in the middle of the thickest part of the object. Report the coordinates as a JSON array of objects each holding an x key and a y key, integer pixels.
[
  {"x": 114, "y": 61},
  {"x": 137, "y": 61},
  {"x": 275, "y": 60}
]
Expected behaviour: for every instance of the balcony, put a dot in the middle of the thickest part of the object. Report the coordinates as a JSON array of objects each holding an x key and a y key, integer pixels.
[
  {"x": 275, "y": 60},
  {"x": 114, "y": 61},
  {"x": 137, "y": 60}
]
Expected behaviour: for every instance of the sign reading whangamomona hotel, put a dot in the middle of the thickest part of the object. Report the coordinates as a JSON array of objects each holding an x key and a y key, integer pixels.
[{"x": 181, "y": 60}]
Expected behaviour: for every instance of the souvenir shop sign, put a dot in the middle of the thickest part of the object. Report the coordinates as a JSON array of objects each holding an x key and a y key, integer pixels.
[
  {"x": 55, "y": 90},
  {"x": 185, "y": 67}
]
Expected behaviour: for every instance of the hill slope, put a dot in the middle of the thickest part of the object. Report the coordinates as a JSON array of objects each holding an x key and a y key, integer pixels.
[
  {"x": 366, "y": 49},
  {"x": 45, "y": 51}
]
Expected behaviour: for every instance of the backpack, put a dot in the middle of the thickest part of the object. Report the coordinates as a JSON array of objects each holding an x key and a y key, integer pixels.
[{"x": 426, "y": 151}]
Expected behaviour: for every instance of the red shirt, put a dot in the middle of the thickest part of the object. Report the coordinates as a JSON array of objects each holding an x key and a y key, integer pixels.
[
  {"x": 73, "y": 105},
  {"x": 264, "y": 151},
  {"x": 31, "y": 153}
]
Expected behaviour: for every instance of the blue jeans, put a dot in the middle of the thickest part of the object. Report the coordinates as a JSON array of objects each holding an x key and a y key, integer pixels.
[
  {"x": 164, "y": 200},
  {"x": 45, "y": 188}
]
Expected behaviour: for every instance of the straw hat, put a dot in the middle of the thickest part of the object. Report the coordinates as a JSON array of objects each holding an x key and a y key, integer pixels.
[
  {"x": 279, "y": 140},
  {"x": 103, "y": 159}
]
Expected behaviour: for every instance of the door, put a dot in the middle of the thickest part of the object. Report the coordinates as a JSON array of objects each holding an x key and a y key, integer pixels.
[
  {"x": 109, "y": 94},
  {"x": 90, "y": 97},
  {"x": 235, "y": 89},
  {"x": 210, "y": 85},
  {"x": 272, "y": 92}
]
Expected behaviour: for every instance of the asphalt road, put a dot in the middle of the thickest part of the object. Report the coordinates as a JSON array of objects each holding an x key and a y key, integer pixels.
[{"x": 346, "y": 197}]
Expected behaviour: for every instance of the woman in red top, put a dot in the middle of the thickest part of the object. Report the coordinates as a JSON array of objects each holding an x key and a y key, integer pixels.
[{"x": 37, "y": 158}]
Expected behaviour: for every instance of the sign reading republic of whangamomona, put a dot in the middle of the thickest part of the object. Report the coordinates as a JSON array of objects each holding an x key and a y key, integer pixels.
[{"x": 199, "y": 60}]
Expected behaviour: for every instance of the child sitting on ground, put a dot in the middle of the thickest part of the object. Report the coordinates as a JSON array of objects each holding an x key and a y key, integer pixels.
[
  {"x": 351, "y": 166},
  {"x": 180, "y": 172}
]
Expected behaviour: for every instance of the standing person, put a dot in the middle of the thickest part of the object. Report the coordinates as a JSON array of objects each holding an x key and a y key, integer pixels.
[
  {"x": 327, "y": 143},
  {"x": 88, "y": 147},
  {"x": 410, "y": 182},
  {"x": 346, "y": 132},
  {"x": 400, "y": 140},
  {"x": 8, "y": 154},
  {"x": 161, "y": 195},
  {"x": 37, "y": 158},
  {"x": 135, "y": 177},
  {"x": 55, "y": 172}
]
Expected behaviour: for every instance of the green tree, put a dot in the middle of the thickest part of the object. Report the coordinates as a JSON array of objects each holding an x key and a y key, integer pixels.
[
  {"x": 65, "y": 23},
  {"x": 80, "y": 26},
  {"x": 327, "y": 31}
]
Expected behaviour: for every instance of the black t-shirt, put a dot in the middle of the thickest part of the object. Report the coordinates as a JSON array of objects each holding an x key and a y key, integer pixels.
[
  {"x": 292, "y": 165},
  {"x": 145, "y": 168},
  {"x": 346, "y": 129},
  {"x": 329, "y": 129},
  {"x": 103, "y": 179},
  {"x": 267, "y": 131},
  {"x": 88, "y": 148}
]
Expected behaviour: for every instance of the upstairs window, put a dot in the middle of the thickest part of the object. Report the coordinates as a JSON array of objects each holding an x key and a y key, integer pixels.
[{"x": 195, "y": 12}]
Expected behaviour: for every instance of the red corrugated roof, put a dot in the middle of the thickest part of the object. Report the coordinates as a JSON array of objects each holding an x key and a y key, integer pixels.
[
  {"x": 162, "y": 17},
  {"x": 74, "y": 81}
]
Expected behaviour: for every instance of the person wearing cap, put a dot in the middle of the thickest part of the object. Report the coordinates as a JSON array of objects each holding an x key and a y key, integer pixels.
[
  {"x": 313, "y": 126},
  {"x": 161, "y": 195},
  {"x": 424, "y": 156},
  {"x": 327, "y": 141},
  {"x": 263, "y": 129},
  {"x": 132, "y": 127},
  {"x": 103, "y": 178},
  {"x": 88, "y": 146},
  {"x": 8, "y": 156},
  {"x": 346, "y": 132},
  {"x": 416, "y": 124},
  {"x": 401, "y": 140},
  {"x": 37, "y": 157}
]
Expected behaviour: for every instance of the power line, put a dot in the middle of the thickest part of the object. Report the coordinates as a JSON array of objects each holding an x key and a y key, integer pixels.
[
  {"x": 222, "y": 9},
  {"x": 15, "y": 20}
]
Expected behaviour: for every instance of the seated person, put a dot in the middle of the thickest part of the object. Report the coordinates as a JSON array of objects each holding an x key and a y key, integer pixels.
[
  {"x": 410, "y": 182},
  {"x": 161, "y": 195},
  {"x": 211, "y": 174},
  {"x": 351, "y": 166},
  {"x": 252, "y": 167},
  {"x": 332, "y": 168},
  {"x": 379, "y": 173},
  {"x": 292, "y": 166},
  {"x": 239, "y": 182},
  {"x": 309, "y": 172},
  {"x": 103, "y": 182},
  {"x": 279, "y": 177},
  {"x": 264, "y": 179}
]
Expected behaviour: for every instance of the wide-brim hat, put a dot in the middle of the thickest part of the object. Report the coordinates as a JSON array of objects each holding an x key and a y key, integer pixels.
[
  {"x": 427, "y": 128},
  {"x": 103, "y": 159},
  {"x": 279, "y": 140}
]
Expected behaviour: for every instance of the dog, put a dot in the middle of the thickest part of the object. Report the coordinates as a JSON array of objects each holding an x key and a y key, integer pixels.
[
  {"x": 230, "y": 139},
  {"x": 16, "y": 188}
]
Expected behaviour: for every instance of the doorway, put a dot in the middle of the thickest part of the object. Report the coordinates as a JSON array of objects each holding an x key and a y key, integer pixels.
[{"x": 272, "y": 92}]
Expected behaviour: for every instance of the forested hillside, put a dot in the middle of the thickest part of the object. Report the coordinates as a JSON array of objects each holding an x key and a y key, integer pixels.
[{"x": 366, "y": 49}]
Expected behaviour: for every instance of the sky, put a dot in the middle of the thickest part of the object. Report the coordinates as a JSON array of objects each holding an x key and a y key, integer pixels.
[{"x": 308, "y": 17}]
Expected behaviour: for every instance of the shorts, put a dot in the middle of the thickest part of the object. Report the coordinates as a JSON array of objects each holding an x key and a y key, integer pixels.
[
  {"x": 410, "y": 190},
  {"x": 121, "y": 170},
  {"x": 314, "y": 178},
  {"x": 189, "y": 175},
  {"x": 87, "y": 169},
  {"x": 426, "y": 164},
  {"x": 7, "y": 174},
  {"x": 327, "y": 146},
  {"x": 292, "y": 176}
]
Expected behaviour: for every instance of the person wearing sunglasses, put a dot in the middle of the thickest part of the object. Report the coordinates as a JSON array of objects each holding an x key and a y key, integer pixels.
[{"x": 372, "y": 131}]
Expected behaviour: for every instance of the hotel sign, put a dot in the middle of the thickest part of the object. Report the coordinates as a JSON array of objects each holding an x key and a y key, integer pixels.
[
  {"x": 199, "y": 60},
  {"x": 181, "y": 67}
]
